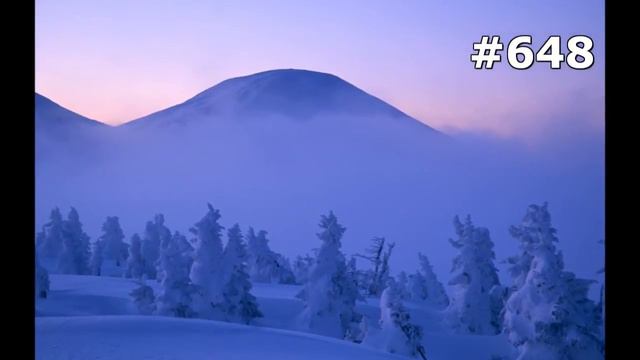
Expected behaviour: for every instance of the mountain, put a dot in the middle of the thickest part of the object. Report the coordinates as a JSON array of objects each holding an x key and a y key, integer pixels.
[
  {"x": 54, "y": 118},
  {"x": 298, "y": 95},
  {"x": 59, "y": 130}
]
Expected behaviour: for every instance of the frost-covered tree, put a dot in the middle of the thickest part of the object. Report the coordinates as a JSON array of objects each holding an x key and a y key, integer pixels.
[
  {"x": 425, "y": 286},
  {"x": 238, "y": 304},
  {"x": 185, "y": 247},
  {"x": 50, "y": 240},
  {"x": 75, "y": 255},
  {"x": 548, "y": 314},
  {"x": 265, "y": 265},
  {"x": 144, "y": 298},
  {"x": 302, "y": 267},
  {"x": 330, "y": 294},
  {"x": 284, "y": 272},
  {"x": 175, "y": 293},
  {"x": 417, "y": 287},
  {"x": 155, "y": 233},
  {"x": 402, "y": 282},
  {"x": 207, "y": 268},
  {"x": 235, "y": 252},
  {"x": 396, "y": 334},
  {"x": 42, "y": 280},
  {"x": 376, "y": 278},
  {"x": 96, "y": 258},
  {"x": 135, "y": 262},
  {"x": 473, "y": 307},
  {"x": 114, "y": 248}
]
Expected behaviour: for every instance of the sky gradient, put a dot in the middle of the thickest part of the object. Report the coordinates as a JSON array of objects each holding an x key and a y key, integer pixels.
[{"x": 115, "y": 61}]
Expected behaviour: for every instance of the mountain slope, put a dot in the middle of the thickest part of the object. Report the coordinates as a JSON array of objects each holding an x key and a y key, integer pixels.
[
  {"x": 63, "y": 136},
  {"x": 49, "y": 116},
  {"x": 299, "y": 95}
]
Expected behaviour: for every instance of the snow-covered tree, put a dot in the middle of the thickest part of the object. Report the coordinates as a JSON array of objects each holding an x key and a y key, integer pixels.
[
  {"x": 302, "y": 267},
  {"x": 207, "y": 268},
  {"x": 50, "y": 240},
  {"x": 402, "y": 282},
  {"x": 396, "y": 334},
  {"x": 155, "y": 233},
  {"x": 114, "y": 248},
  {"x": 548, "y": 314},
  {"x": 135, "y": 262},
  {"x": 175, "y": 293},
  {"x": 473, "y": 306},
  {"x": 74, "y": 258},
  {"x": 376, "y": 278},
  {"x": 425, "y": 286},
  {"x": 144, "y": 298},
  {"x": 185, "y": 247},
  {"x": 96, "y": 258},
  {"x": 238, "y": 304},
  {"x": 331, "y": 292},
  {"x": 265, "y": 265},
  {"x": 42, "y": 280},
  {"x": 235, "y": 252}
]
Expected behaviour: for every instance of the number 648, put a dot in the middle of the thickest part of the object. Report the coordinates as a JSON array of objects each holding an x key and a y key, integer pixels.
[{"x": 521, "y": 56}]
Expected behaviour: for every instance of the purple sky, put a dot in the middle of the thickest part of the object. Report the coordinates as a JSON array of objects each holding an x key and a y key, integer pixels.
[{"x": 117, "y": 60}]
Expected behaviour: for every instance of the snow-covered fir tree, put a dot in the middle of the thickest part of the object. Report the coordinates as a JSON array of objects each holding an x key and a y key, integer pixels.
[
  {"x": 75, "y": 255},
  {"x": 548, "y": 314},
  {"x": 144, "y": 298},
  {"x": 175, "y": 292},
  {"x": 235, "y": 251},
  {"x": 42, "y": 280},
  {"x": 473, "y": 307},
  {"x": 425, "y": 286},
  {"x": 50, "y": 240},
  {"x": 402, "y": 282},
  {"x": 135, "y": 262},
  {"x": 114, "y": 248},
  {"x": 331, "y": 292},
  {"x": 97, "y": 258},
  {"x": 238, "y": 304},
  {"x": 207, "y": 268},
  {"x": 185, "y": 247},
  {"x": 302, "y": 267},
  {"x": 283, "y": 271},
  {"x": 396, "y": 334},
  {"x": 265, "y": 265},
  {"x": 155, "y": 233}
]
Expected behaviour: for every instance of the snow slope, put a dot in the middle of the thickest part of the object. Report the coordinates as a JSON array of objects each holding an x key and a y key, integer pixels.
[
  {"x": 150, "y": 337},
  {"x": 87, "y": 317}
]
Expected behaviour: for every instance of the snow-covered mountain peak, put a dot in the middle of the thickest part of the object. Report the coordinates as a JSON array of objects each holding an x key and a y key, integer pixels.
[{"x": 299, "y": 95}]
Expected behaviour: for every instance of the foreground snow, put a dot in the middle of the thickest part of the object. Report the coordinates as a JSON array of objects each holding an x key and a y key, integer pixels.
[
  {"x": 87, "y": 317},
  {"x": 151, "y": 337}
]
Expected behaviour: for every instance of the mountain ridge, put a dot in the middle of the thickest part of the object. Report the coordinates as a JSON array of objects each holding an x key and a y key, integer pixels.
[{"x": 291, "y": 93}]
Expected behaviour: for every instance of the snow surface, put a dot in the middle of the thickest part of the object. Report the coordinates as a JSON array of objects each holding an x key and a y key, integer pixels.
[{"x": 89, "y": 317}]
